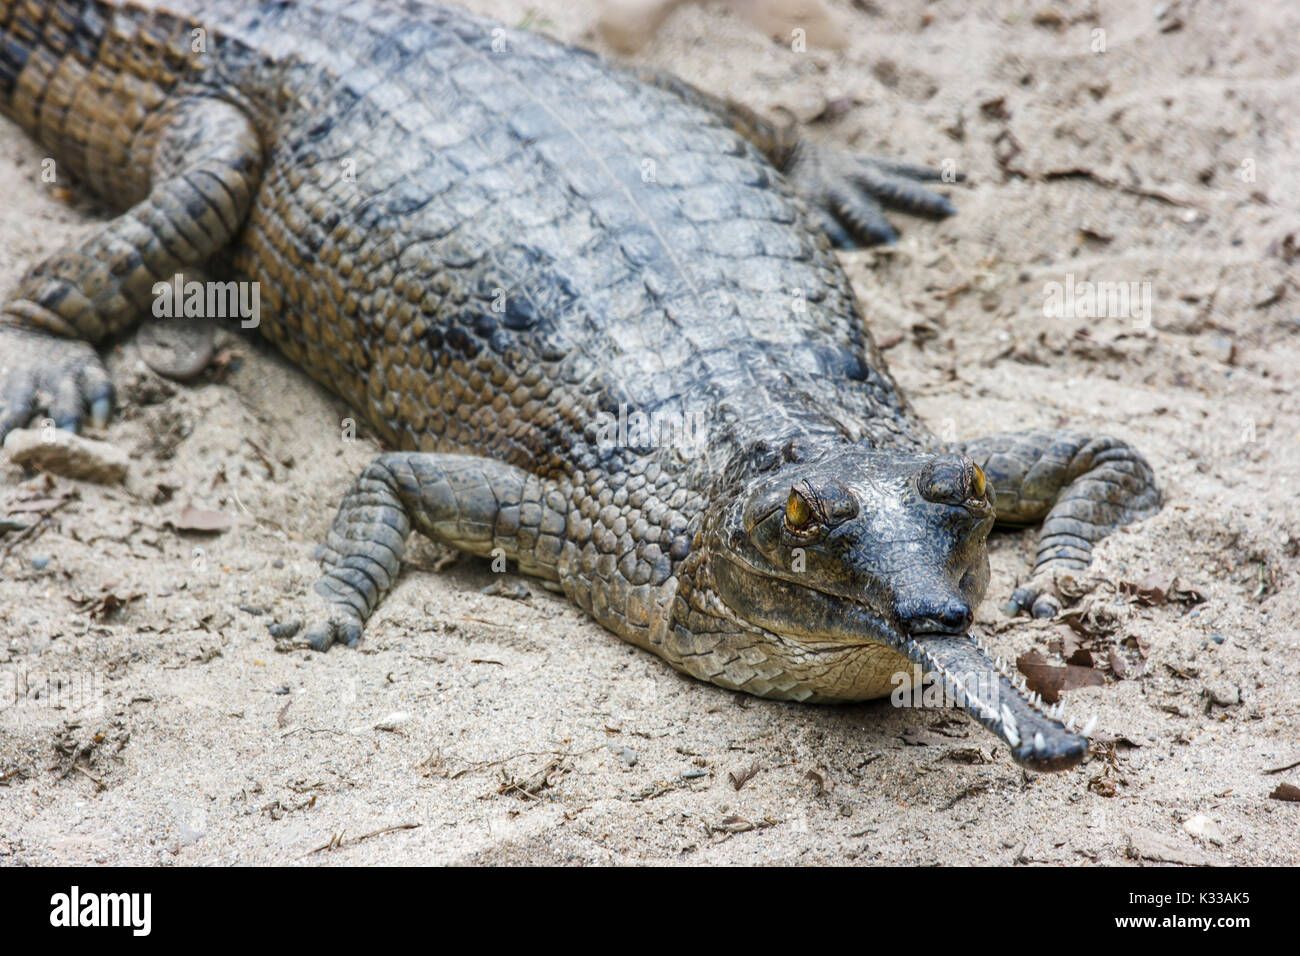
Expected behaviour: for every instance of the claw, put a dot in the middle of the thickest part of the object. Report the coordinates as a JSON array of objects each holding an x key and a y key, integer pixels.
[
  {"x": 1021, "y": 600},
  {"x": 99, "y": 411}
]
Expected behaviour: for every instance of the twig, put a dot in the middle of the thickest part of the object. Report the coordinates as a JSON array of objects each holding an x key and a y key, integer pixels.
[
  {"x": 337, "y": 842},
  {"x": 1283, "y": 769},
  {"x": 98, "y": 783},
  {"x": 38, "y": 526},
  {"x": 483, "y": 765}
]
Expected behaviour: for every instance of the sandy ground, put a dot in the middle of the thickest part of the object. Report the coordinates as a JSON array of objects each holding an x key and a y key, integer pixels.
[{"x": 472, "y": 728}]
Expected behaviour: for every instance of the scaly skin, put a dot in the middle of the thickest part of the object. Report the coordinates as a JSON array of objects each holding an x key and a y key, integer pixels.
[{"x": 492, "y": 246}]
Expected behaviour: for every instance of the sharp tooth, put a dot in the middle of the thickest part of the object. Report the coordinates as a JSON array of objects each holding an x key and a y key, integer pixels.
[
  {"x": 1012, "y": 734},
  {"x": 1039, "y": 743},
  {"x": 1009, "y": 721},
  {"x": 1089, "y": 727},
  {"x": 1069, "y": 723}
]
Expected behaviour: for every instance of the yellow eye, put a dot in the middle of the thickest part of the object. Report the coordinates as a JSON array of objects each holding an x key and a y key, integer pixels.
[
  {"x": 979, "y": 485},
  {"x": 797, "y": 511}
]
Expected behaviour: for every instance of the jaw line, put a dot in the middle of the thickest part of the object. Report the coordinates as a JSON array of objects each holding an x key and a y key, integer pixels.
[{"x": 1038, "y": 737}]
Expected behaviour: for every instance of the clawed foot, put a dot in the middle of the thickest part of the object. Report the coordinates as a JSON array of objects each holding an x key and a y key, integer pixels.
[
  {"x": 850, "y": 193},
  {"x": 1038, "y": 596},
  {"x": 320, "y": 623},
  {"x": 43, "y": 374}
]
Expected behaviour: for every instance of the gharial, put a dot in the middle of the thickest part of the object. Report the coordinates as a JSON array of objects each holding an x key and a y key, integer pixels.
[{"x": 493, "y": 246}]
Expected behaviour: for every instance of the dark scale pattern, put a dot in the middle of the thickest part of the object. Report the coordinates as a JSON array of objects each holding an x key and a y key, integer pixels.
[
  {"x": 469, "y": 253},
  {"x": 492, "y": 246}
]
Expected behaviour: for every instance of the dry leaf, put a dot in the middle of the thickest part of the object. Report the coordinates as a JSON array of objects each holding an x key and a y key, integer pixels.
[
  {"x": 1286, "y": 791},
  {"x": 1052, "y": 681}
]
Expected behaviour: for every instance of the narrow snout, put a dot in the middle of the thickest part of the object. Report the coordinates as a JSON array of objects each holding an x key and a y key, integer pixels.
[{"x": 987, "y": 690}]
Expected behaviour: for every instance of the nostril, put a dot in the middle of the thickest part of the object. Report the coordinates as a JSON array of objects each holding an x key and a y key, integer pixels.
[
  {"x": 931, "y": 615},
  {"x": 955, "y": 616}
]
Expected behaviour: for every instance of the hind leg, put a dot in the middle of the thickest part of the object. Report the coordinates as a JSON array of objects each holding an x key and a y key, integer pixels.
[
  {"x": 1080, "y": 487},
  {"x": 479, "y": 505},
  {"x": 847, "y": 194},
  {"x": 205, "y": 167}
]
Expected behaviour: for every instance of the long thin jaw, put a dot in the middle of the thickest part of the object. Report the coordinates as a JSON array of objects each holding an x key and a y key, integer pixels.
[{"x": 1038, "y": 736}]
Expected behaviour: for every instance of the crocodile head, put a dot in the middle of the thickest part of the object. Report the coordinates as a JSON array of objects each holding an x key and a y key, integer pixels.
[{"x": 864, "y": 567}]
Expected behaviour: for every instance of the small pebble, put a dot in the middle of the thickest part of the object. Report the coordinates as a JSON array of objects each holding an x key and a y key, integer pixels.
[
  {"x": 40, "y": 561},
  {"x": 67, "y": 454},
  {"x": 694, "y": 774}
]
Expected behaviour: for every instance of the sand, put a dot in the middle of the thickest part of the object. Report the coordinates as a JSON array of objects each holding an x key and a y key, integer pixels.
[{"x": 476, "y": 728}]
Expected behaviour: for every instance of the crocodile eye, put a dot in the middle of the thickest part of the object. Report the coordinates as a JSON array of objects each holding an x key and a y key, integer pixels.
[
  {"x": 798, "y": 512},
  {"x": 978, "y": 483}
]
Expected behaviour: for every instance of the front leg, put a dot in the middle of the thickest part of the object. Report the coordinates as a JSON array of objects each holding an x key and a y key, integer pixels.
[
  {"x": 205, "y": 168},
  {"x": 473, "y": 504},
  {"x": 1081, "y": 487}
]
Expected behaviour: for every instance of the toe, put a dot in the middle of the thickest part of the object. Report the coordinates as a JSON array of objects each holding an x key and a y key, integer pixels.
[
  {"x": 97, "y": 393},
  {"x": 282, "y": 630},
  {"x": 19, "y": 404},
  {"x": 1045, "y": 606},
  {"x": 321, "y": 637},
  {"x": 862, "y": 216},
  {"x": 67, "y": 406},
  {"x": 840, "y": 237},
  {"x": 897, "y": 193},
  {"x": 922, "y": 174},
  {"x": 1022, "y": 599}
]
